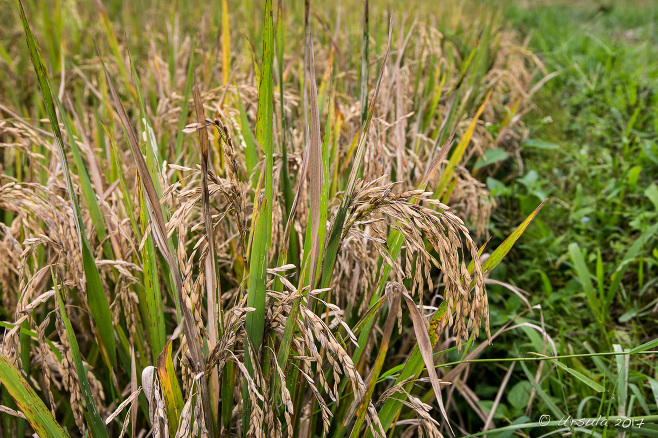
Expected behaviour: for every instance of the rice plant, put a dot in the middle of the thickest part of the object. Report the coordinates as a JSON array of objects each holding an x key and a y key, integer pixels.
[{"x": 241, "y": 226}]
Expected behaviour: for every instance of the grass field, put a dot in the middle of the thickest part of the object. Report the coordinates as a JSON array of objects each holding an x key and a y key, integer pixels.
[{"x": 324, "y": 220}]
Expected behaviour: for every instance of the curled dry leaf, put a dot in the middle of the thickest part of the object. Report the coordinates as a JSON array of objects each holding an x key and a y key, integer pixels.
[{"x": 424, "y": 344}]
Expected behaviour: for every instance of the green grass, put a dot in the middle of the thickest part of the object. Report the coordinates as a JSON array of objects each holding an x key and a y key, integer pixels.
[{"x": 591, "y": 261}]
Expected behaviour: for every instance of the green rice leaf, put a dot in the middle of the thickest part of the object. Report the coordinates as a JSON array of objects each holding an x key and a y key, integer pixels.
[
  {"x": 94, "y": 421},
  {"x": 390, "y": 411},
  {"x": 497, "y": 256},
  {"x": 255, "y": 321},
  {"x": 100, "y": 310},
  {"x": 154, "y": 315},
  {"x": 262, "y": 215},
  {"x": 251, "y": 155}
]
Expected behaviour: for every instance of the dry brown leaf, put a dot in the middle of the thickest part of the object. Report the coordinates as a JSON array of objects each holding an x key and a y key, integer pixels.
[
  {"x": 315, "y": 166},
  {"x": 210, "y": 273},
  {"x": 436, "y": 162},
  {"x": 159, "y": 233},
  {"x": 426, "y": 350}
]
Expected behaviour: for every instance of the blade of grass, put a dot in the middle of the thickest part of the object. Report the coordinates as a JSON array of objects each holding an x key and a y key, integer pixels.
[
  {"x": 585, "y": 278},
  {"x": 319, "y": 187},
  {"x": 644, "y": 347},
  {"x": 255, "y": 321},
  {"x": 580, "y": 376},
  {"x": 307, "y": 24},
  {"x": 324, "y": 194},
  {"x": 632, "y": 252},
  {"x": 499, "y": 253},
  {"x": 288, "y": 196},
  {"x": 622, "y": 362}
]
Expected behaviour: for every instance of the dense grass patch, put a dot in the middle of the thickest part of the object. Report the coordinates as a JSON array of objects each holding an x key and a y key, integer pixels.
[{"x": 591, "y": 259}]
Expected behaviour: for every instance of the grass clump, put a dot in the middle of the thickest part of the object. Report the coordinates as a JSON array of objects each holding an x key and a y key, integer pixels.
[{"x": 589, "y": 259}]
